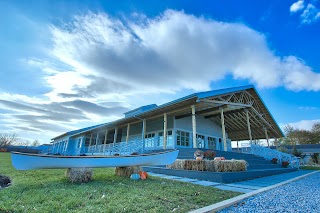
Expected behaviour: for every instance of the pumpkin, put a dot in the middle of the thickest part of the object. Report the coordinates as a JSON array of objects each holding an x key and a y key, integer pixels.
[
  {"x": 222, "y": 158},
  {"x": 199, "y": 159},
  {"x": 143, "y": 175},
  {"x": 135, "y": 177}
]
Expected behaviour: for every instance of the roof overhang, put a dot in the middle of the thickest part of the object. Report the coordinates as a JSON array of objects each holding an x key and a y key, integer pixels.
[{"x": 235, "y": 103}]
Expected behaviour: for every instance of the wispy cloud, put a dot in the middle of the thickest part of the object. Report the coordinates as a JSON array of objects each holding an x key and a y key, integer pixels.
[
  {"x": 307, "y": 108},
  {"x": 295, "y": 7},
  {"x": 303, "y": 124},
  {"x": 310, "y": 13}
]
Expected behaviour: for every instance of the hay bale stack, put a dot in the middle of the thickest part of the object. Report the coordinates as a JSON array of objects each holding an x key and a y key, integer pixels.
[
  {"x": 79, "y": 175},
  {"x": 230, "y": 165},
  {"x": 127, "y": 171},
  {"x": 210, "y": 165}
]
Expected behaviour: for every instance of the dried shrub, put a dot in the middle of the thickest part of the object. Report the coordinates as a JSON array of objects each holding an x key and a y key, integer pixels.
[
  {"x": 79, "y": 175},
  {"x": 285, "y": 164},
  {"x": 274, "y": 160},
  {"x": 209, "y": 154},
  {"x": 4, "y": 181},
  {"x": 127, "y": 171}
]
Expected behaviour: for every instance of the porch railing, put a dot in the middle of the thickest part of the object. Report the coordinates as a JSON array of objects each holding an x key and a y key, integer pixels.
[
  {"x": 269, "y": 154},
  {"x": 127, "y": 148}
]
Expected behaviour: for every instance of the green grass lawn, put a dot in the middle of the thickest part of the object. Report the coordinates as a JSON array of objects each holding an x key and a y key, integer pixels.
[
  {"x": 310, "y": 167},
  {"x": 49, "y": 191}
]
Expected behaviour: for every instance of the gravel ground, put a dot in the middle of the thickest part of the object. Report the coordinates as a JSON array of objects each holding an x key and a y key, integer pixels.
[{"x": 299, "y": 196}]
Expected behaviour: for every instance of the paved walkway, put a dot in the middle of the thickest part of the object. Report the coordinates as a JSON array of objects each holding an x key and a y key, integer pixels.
[{"x": 243, "y": 186}]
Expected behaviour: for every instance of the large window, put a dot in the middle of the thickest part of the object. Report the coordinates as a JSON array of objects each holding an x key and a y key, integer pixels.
[
  {"x": 183, "y": 138},
  {"x": 212, "y": 143},
  {"x": 169, "y": 138}
]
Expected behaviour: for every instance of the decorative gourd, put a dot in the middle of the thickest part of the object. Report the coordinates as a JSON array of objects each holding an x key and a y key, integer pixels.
[
  {"x": 143, "y": 175},
  {"x": 219, "y": 158},
  {"x": 199, "y": 158},
  {"x": 135, "y": 177}
]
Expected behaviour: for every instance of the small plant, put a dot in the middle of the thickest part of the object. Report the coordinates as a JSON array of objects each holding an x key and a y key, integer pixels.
[
  {"x": 315, "y": 157},
  {"x": 198, "y": 153},
  {"x": 209, "y": 154},
  {"x": 274, "y": 160},
  {"x": 285, "y": 164}
]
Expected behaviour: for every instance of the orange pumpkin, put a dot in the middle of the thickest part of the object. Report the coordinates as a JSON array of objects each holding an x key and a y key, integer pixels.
[{"x": 143, "y": 175}]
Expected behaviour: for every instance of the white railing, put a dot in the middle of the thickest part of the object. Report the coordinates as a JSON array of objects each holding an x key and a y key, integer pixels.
[
  {"x": 269, "y": 154},
  {"x": 126, "y": 148}
]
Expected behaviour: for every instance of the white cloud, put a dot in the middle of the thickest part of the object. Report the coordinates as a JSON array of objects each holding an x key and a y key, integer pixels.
[
  {"x": 303, "y": 124},
  {"x": 295, "y": 7},
  {"x": 174, "y": 51},
  {"x": 310, "y": 14},
  {"x": 307, "y": 108}
]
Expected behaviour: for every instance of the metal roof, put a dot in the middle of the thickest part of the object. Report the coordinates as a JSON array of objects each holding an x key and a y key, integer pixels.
[{"x": 235, "y": 101}]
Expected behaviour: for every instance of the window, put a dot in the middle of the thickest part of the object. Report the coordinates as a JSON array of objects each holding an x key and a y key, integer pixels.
[
  {"x": 183, "y": 138},
  {"x": 211, "y": 143}
]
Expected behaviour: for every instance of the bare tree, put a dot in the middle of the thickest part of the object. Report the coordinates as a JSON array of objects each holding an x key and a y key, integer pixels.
[
  {"x": 8, "y": 139},
  {"x": 35, "y": 143}
]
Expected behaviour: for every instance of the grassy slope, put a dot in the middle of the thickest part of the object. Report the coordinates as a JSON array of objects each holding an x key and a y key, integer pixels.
[
  {"x": 310, "y": 167},
  {"x": 49, "y": 191}
]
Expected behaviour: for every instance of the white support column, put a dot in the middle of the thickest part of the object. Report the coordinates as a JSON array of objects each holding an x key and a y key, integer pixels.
[
  {"x": 223, "y": 131},
  {"x": 97, "y": 140},
  {"x": 174, "y": 132},
  {"x": 105, "y": 141},
  {"x": 238, "y": 146},
  {"x": 267, "y": 138},
  {"x": 164, "y": 130},
  {"x": 128, "y": 133},
  {"x": 249, "y": 128},
  {"x": 194, "y": 127},
  {"x": 66, "y": 146},
  {"x": 144, "y": 124},
  {"x": 115, "y": 136},
  {"x": 90, "y": 142}
]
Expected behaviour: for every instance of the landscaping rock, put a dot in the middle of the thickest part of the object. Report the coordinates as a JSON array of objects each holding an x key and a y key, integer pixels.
[
  {"x": 127, "y": 171},
  {"x": 79, "y": 175},
  {"x": 4, "y": 181}
]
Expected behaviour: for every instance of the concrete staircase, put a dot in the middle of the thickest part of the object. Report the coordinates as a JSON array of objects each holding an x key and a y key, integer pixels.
[{"x": 258, "y": 167}]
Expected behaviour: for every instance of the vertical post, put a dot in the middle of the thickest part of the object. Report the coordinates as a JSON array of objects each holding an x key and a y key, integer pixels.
[
  {"x": 105, "y": 141},
  {"x": 97, "y": 140},
  {"x": 164, "y": 130},
  {"x": 143, "y": 134},
  {"x": 66, "y": 146},
  {"x": 194, "y": 126},
  {"x": 223, "y": 131},
  {"x": 249, "y": 128},
  {"x": 115, "y": 136},
  {"x": 128, "y": 132},
  {"x": 174, "y": 132},
  {"x": 267, "y": 138},
  {"x": 90, "y": 143},
  {"x": 238, "y": 146}
]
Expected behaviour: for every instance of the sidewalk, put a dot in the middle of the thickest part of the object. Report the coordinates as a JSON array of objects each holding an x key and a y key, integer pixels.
[{"x": 243, "y": 186}]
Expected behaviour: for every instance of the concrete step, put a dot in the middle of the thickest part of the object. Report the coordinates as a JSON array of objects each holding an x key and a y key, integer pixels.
[{"x": 220, "y": 177}]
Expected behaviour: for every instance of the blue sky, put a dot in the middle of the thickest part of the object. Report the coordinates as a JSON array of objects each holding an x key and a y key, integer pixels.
[{"x": 70, "y": 64}]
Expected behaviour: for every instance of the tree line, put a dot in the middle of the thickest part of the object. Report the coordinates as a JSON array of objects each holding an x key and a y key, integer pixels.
[
  {"x": 295, "y": 136},
  {"x": 12, "y": 139}
]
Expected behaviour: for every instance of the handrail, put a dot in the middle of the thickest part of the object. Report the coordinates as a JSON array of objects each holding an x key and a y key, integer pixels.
[
  {"x": 126, "y": 148},
  {"x": 269, "y": 154}
]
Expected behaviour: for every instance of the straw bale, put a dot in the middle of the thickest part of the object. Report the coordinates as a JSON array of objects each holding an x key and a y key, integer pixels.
[
  {"x": 127, "y": 171},
  {"x": 79, "y": 175}
]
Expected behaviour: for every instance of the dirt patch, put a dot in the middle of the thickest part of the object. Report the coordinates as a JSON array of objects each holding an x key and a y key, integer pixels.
[{"x": 4, "y": 181}]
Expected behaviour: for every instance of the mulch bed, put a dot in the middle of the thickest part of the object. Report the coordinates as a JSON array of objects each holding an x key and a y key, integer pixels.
[{"x": 4, "y": 181}]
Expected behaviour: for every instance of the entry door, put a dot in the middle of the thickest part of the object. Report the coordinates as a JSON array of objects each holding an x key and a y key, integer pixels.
[{"x": 201, "y": 141}]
